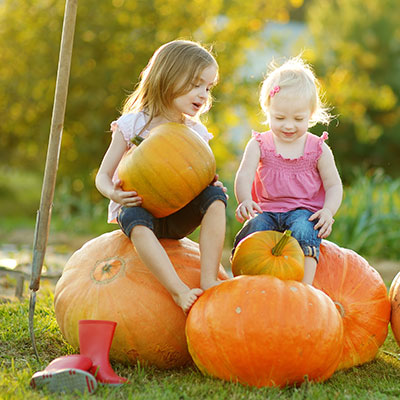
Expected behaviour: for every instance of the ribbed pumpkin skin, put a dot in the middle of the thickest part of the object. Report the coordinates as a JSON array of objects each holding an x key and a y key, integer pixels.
[
  {"x": 168, "y": 169},
  {"x": 263, "y": 331},
  {"x": 253, "y": 257},
  {"x": 360, "y": 295},
  {"x": 105, "y": 279},
  {"x": 394, "y": 296}
]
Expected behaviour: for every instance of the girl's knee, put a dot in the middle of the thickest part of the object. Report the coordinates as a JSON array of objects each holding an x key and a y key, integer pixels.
[
  {"x": 308, "y": 239},
  {"x": 304, "y": 232}
]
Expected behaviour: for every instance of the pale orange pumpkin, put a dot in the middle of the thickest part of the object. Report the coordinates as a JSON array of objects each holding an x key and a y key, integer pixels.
[
  {"x": 394, "y": 296},
  {"x": 263, "y": 331},
  {"x": 168, "y": 169},
  {"x": 361, "y": 297},
  {"x": 269, "y": 252},
  {"x": 106, "y": 280}
]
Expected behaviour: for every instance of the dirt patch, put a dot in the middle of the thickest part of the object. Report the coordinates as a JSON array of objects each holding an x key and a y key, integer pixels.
[{"x": 16, "y": 253}]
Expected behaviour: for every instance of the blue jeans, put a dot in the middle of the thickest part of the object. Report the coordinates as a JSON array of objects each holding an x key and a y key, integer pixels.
[
  {"x": 294, "y": 220},
  {"x": 174, "y": 226}
]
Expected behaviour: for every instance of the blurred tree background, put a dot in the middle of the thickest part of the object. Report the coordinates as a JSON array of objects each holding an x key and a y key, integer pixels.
[
  {"x": 356, "y": 52},
  {"x": 113, "y": 43},
  {"x": 354, "y": 46}
]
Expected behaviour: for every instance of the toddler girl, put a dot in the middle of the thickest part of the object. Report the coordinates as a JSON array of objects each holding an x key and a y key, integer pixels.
[
  {"x": 287, "y": 178},
  {"x": 175, "y": 86}
]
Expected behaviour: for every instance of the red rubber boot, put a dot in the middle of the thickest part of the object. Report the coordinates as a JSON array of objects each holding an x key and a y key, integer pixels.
[
  {"x": 77, "y": 361},
  {"x": 95, "y": 338},
  {"x": 66, "y": 374}
]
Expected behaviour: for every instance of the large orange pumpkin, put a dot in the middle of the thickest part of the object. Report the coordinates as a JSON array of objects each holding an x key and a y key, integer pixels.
[
  {"x": 269, "y": 252},
  {"x": 361, "y": 297},
  {"x": 394, "y": 296},
  {"x": 263, "y": 331},
  {"x": 168, "y": 169},
  {"x": 106, "y": 280}
]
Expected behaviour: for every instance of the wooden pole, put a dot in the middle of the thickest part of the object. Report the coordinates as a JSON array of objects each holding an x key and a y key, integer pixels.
[{"x": 53, "y": 152}]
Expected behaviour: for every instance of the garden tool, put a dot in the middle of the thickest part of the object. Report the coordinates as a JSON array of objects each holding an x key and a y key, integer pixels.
[
  {"x": 53, "y": 152},
  {"x": 95, "y": 338},
  {"x": 66, "y": 374}
]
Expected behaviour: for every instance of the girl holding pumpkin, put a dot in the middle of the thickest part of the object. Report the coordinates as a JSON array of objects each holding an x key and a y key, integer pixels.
[
  {"x": 176, "y": 87},
  {"x": 287, "y": 178}
]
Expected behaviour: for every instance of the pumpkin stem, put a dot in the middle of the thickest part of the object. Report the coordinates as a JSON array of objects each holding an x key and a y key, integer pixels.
[
  {"x": 137, "y": 140},
  {"x": 340, "y": 308},
  {"x": 278, "y": 248}
]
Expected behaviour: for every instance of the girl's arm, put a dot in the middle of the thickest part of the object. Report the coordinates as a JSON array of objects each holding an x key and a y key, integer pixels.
[
  {"x": 110, "y": 162},
  {"x": 244, "y": 181},
  {"x": 333, "y": 192}
]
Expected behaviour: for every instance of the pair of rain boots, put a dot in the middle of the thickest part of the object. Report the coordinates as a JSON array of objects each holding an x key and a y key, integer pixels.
[{"x": 82, "y": 372}]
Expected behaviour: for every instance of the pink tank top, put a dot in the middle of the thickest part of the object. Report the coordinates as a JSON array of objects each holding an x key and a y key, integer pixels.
[{"x": 283, "y": 184}]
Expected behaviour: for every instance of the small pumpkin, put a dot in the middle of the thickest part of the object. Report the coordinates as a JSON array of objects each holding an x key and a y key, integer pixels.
[
  {"x": 106, "y": 280},
  {"x": 394, "y": 296},
  {"x": 361, "y": 297},
  {"x": 269, "y": 252},
  {"x": 263, "y": 331},
  {"x": 168, "y": 169}
]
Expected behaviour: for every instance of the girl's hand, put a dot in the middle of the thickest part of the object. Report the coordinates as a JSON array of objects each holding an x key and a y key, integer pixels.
[
  {"x": 325, "y": 222},
  {"x": 218, "y": 183},
  {"x": 125, "y": 198},
  {"x": 247, "y": 209}
]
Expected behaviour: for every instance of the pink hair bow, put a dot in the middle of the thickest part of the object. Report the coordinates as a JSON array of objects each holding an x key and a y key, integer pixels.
[{"x": 274, "y": 91}]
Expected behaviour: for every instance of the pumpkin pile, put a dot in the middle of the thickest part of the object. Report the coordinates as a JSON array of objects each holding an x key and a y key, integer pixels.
[
  {"x": 106, "y": 280},
  {"x": 168, "y": 169},
  {"x": 264, "y": 331},
  {"x": 258, "y": 330}
]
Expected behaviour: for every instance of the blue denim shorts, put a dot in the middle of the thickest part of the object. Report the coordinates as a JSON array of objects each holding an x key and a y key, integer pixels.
[
  {"x": 294, "y": 220},
  {"x": 174, "y": 226}
]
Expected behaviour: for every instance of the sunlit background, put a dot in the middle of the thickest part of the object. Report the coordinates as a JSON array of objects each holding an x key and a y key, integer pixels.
[{"x": 354, "y": 46}]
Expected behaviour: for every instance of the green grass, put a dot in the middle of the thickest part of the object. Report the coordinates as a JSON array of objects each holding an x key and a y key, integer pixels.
[{"x": 378, "y": 379}]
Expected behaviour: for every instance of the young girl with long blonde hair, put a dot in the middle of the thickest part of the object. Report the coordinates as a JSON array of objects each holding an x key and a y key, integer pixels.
[{"x": 175, "y": 86}]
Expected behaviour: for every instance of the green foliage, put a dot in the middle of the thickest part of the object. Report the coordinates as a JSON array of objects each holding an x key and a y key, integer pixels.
[
  {"x": 19, "y": 191},
  {"x": 356, "y": 53},
  {"x": 368, "y": 221},
  {"x": 378, "y": 379},
  {"x": 84, "y": 210}
]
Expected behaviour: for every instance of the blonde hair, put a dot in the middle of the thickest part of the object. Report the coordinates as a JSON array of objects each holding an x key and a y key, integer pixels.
[
  {"x": 169, "y": 74},
  {"x": 298, "y": 77}
]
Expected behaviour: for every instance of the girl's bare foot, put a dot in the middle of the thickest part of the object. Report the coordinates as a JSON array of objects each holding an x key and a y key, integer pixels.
[{"x": 186, "y": 299}]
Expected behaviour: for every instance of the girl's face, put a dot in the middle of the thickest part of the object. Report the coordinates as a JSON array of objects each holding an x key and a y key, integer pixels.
[
  {"x": 289, "y": 116},
  {"x": 192, "y": 102}
]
